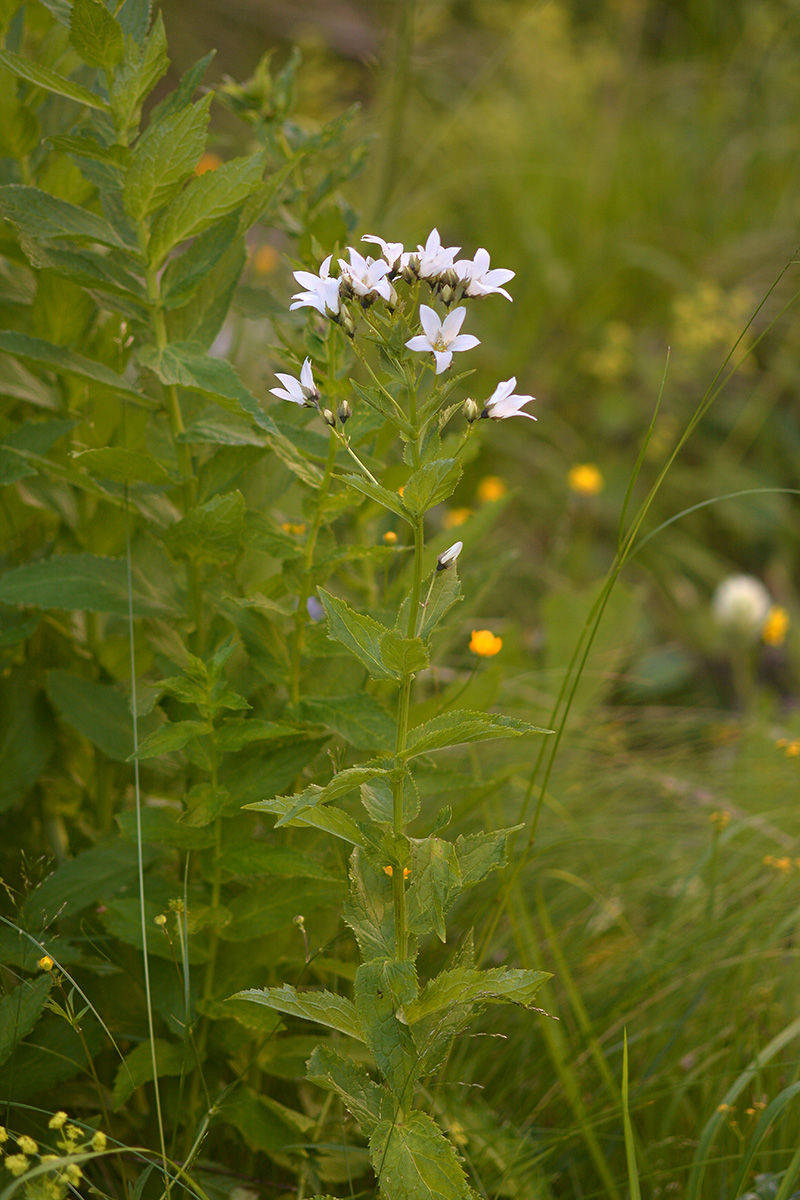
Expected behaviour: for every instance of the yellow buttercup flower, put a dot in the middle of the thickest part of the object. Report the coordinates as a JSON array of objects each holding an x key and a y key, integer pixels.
[
  {"x": 207, "y": 162},
  {"x": 390, "y": 537},
  {"x": 45, "y": 963},
  {"x": 484, "y": 643},
  {"x": 265, "y": 259},
  {"x": 491, "y": 487},
  {"x": 390, "y": 871},
  {"x": 455, "y": 517},
  {"x": 585, "y": 479},
  {"x": 775, "y": 626}
]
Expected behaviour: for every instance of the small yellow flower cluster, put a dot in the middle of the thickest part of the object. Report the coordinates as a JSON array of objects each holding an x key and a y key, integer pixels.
[
  {"x": 791, "y": 746},
  {"x": 776, "y": 626},
  {"x": 720, "y": 819},
  {"x": 484, "y": 643},
  {"x": 585, "y": 479},
  {"x": 73, "y": 1140},
  {"x": 390, "y": 872},
  {"x": 709, "y": 318},
  {"x": 784, "y": 864}
]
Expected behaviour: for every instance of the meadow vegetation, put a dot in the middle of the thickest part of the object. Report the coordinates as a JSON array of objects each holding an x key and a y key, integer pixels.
[{"x": 300, "y": 896}]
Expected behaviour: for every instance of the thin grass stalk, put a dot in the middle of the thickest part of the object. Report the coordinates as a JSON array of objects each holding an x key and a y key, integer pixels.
[{"x": 630, "y": 1147}]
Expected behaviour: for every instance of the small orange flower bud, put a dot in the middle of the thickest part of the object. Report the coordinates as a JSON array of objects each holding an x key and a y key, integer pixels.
[
  {"x": 390, "y": 537},
  {"x": 484, "y": 643},
  {"x": 45, "y": 963}
]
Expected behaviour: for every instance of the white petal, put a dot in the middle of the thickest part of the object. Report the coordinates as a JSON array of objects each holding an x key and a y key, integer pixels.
[
  {"x": 306, "y": 279},
  {"x": 285, "y": 395},
  {"x": 420, "y": 342},
  {"x": 443, "y": 360},
  {"x": 464, "y": 341},
  {"x": 452, "y": 323},
  {"x": 430, "y": 322},
  {"x": 481, "y": 261},
  {"x": 307, "y": 377}
]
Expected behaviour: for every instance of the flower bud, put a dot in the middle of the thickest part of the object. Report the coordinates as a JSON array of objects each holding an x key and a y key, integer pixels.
[
  {"x": 447, "y": 294},
  {"x": 448, "y": 557},
  {"x": 471, "y": 411},
  {"x": 344, "y": 411},
  {"x": 329, "y": 417},
  {"x": 347, "y": 323}
]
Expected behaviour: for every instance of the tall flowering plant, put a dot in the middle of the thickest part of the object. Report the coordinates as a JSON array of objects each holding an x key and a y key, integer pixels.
[{"x": 372, "y": 377}]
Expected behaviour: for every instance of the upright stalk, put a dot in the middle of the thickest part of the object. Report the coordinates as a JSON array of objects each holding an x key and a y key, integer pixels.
[{"x": 301, "y": 615}]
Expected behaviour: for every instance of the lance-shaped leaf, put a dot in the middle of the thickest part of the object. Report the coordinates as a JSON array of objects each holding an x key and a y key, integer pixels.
[
  {"x": 480, "y": 853},
  {"x": 79, "y": 581},
  {"x": 342, "y": 783},
  {"x": 316, "y": 816},
  {"x": 382, "y": 986},
  {"x": 43, "y": 77},
  {"x": 413, "y": 1160},
  {"x": 441, "y": 592},
  {"x": 382, "y": 495},
  {"x": 171, "y": 1058},
  {"x": 164, "y": 157},
  {"x": 360, "y": 634},
  {"x": 431, "y": 484},
  {"x": 468, "y": 985},
  {"x": 211, "y": 530},
  {"x": 63, "y": 360},
  {"x": 96, "y": 34},
  {"x": 204, "y": 200},
  {"x": 185, "y": 272},
  {"x": 358, "y": 718},
  {"x": 188, "y": 365},
  {"x": 403, "y": 655},
  {"x": 323, "y": 1007},
  {"x": 93, "y": 269},
  {"x": 41, "y": 215},
  {"x": 96, "y": 710},
  {"x": 461, "y": 727},
  {"x": 20, "y": 1009},
  {"x": 259, "y": 911},
  {"x": 171, "y": 737},
  {"x": 361, "y": 1095},
  {"x": 369, "y": 911},
  {"x": 125, "y": 466},
  {"x": 435, "y": 883}
]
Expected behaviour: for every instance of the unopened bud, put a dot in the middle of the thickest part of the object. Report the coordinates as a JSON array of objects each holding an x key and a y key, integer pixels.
[
  {"x": 447, "y": 294},
  {"x": 448, "y": 557},
  {"x": 329, "y": 417},
  {"x": 471, "y": 411},
  {"x": 344, "y": 411},
  {"x": 160, "y": 919},
  {"x": 347, "y": 323}
]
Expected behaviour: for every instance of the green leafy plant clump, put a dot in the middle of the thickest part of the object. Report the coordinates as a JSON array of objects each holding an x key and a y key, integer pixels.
[{"x": 212, "y": 610}]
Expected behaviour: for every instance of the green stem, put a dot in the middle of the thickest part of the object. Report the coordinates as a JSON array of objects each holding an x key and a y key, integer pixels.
[{"x": 301, "y": 615}]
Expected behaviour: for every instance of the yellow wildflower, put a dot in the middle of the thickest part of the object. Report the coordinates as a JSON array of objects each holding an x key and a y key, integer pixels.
[
  {"x": 390, "y": 872},
  {"x": 455, "y": 517},
  {"x": 585, "y": 479},
  {"x": 207, "y": 162},
  {"x": 265, "y": 260},
  {"x": 160, "y": 919},
  {"x": 775, "y": 626},
  {"x": 99, "y": 1141},
  {"x": 45, "y": 963},
  {"x": 73, "y": 1132},
  {"x": 485, "y": 643},
  {"x": 73, "y": 1173},
  {"x": 3, "y": 1134},
  {"x": 491, "y": 487},
  {"x": 57, "y": 1121},
  {"x": 17, "y": 1164},
  {"x": 27, "y": 1145},
  {"x": 291, "y": 527},
  {"x": 390, "y": 537},
  {"x": 720, "y": 819}
]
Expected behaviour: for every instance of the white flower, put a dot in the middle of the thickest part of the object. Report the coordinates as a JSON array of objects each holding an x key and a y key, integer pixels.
[
  {"x": 322, "y": 292},
  {"x": 442, "y": 337},
  {"x": 303, "y": 391},
  {"x": 503, "y": 403},
  {"x": 448, "y": 557},
  {"x": 367, "y": 276},
  {"x": 478, "y": 279},
  {"x": 434, "y": 258},
  {"x": 741, "y": 604},
  {"x": 392, "y": 251}
]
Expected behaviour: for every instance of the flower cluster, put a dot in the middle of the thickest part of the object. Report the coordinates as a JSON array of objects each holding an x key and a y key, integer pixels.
[
  {"x": 72, "y": 1140},
  {"x": 360, "y": 280}
]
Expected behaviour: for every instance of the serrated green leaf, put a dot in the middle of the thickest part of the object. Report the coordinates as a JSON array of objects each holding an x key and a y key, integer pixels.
[
  {"x": 468, "y": 985},
  {"x": 94, "y": 270},
  {"x": 235, "y": 735},
  {"x": 26, "y": 734},
  {"x": 125, "y": 466},
  {"x": 64, "y": 360},
  {"x": 480, "y": 853},
  {"x": 41, "y": 215},
  {"x": 20, "y": 1009},
  {"x": 403, "y": 655},
  {"x": 96, "y": 34},
  {"x": 203, "y": 319},
  {"x": 413, "y": 1160},
  {"x": 171, "y": 1058},
  {"x": 358, "y": 718},
  {"x": 262, "y": 1128},
  {"x": 377, "y": 798},
  {"x": 262, "y": 910},
  {"x": 322, "y": 1007},
  {"x": 94, "y": 874},
  {"x": 258, "y": 858},
  {"x": 187, "y": 364},
  {"x": 164, "y": 157},
  {"x": 313, "y": 796},
  {"x": 185, "y": 272},
  {"x": 461, "y": 727},
  {"x": 431, "y": 484},
  {"x": 434, "y": 884},
  {"x": 369, "y": 910},
  {"x": 442, "y": 592},
  {"x": 52, "y": 1053},
  {"x": 211, "y": 530},
  {"x": 204, "y": 200},
  {"x": 139, "y": 72},
  {"x": 163, "y": 827},
  {"x": 43, "y": 77},
  {"x": 250, "y": 1016},
  {"x": 170, "y": 737},
  {"x": 360, "y": 634},
  {"x": 382, "y": 495},
  {"x": 362, "y": 1096},
  {"x": 79, "y": 581},
  {"x": 96, "y": 710},
  {"x": 331, "y": 820},
  {"x": 382, "y": 986}
]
